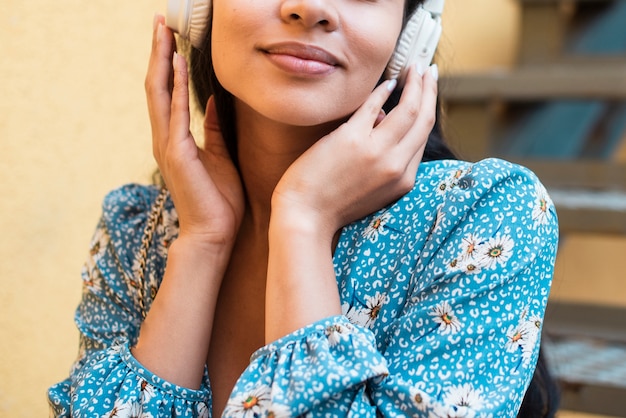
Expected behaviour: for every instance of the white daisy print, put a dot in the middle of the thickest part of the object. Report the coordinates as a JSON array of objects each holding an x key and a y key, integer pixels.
[
  {"x": 357, "y": 316},
  {"x": 470, "y": 244},
  {"x": 469, "y": 266},
  {"x": 92, "y": 279},
  {"x": 203, "y": 410},
  {"x": 121, "y": 409},
  {"x": 468, "y": 260},
  {"x": 452, "y": 181},
  {"x": 496, "y": 251},
  {"x": 147, "y": 391},
  {"x": 116, "y": 348},
  {"x": 278, "y": 411},
  {"x": 419, "y": 399},
  {"x": 450, "y": 411},
  {"x": 250, "y": 404},
  {"x": 524, "y": 336},
  {"x": 464, "y": 396},
  {"x": 541, "y": 212},
  {"x": 452, "y": 266},
  {"x": 377, "y": 227},
  {"x": 373, "y": 305},
  {"x": 444, "y": 316},
  {"x": 137, "y": 266},
  {"x": 445, "y": 185},
  {"x": 440, "y": 217},
  {"x": 335, "y": 333},
  {"x": 99, "y": 244},
  {"x": 458, "y": 174},
  {"x": 366, "y": 316}
]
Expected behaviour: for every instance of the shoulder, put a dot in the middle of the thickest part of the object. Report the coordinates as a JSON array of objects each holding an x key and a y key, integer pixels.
[
  {"x": 447, "y": 175},
  {"x": 455, "y": 191},
  {"x": 121, "y": 248},
  {"x": 491, "y": 182},
  {"x": 488, "y": 204},
  {"x": 125, "y": 216},
  {"x": 467, "y": 184},
  {"x": 453, "y": 197},
  {"x": 128, "y": 207},
  {"x": 129, "y": 201}
]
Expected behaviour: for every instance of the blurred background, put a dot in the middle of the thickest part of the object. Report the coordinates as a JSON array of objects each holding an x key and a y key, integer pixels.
[{"x": 541, "y": 82}]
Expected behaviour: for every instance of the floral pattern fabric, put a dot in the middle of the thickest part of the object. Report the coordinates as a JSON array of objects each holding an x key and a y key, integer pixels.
[{"x": 443, "y": 295}]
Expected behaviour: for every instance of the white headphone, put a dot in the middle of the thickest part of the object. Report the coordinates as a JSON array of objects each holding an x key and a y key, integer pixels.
[{"x": 417, "y": 42}]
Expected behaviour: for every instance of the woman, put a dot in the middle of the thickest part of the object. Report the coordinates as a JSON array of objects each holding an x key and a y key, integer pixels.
[{"x": 315, "y": 265}]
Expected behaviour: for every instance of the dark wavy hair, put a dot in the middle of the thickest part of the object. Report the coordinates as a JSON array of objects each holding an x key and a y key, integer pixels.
[{"x": 542, "y": 397}]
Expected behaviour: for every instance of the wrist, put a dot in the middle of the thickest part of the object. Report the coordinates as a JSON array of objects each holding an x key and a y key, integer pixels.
[
  {"x": 301, "y": 287},
  {"x": 288, "y": 217},
  {"x": 197, "y": 251}
]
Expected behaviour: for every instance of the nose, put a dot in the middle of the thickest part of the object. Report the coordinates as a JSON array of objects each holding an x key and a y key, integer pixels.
[{"x": 310, "y": 13}]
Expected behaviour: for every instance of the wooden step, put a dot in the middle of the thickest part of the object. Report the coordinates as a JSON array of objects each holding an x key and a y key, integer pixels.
[
  {"x": 478, "y": 110},
  {"x": 585, "y": 348},
  {"x": 553, "y": 29},
  {"x": 541, "y": 83}
]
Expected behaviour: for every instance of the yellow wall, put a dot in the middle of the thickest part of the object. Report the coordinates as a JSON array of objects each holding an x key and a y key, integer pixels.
[{"x": 73, "y": 125}]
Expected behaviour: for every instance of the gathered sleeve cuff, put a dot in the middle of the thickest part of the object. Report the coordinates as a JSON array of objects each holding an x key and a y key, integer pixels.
[
  {"x": 114, "y": 381},
  {"x": 311, "y": 366}
]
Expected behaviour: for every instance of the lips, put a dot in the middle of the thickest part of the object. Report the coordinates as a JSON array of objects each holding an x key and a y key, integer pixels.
[{"x": 301, "y": 58}]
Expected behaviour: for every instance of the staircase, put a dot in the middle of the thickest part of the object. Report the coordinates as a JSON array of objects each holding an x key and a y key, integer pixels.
[{"x": 562, "y": 112}]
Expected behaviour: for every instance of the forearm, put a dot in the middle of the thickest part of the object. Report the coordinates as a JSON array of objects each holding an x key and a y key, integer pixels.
[
  {"x": 175, "y": 335},
  {"x": 301, "y": 286}
]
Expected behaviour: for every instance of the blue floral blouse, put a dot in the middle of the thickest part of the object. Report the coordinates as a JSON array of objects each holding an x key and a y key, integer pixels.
[{"x": 443, "y": 295}]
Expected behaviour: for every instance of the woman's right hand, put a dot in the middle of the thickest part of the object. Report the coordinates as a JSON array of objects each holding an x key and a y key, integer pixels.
[
  {"x": 204, "y": 184},
  {"x": 207, "y": 193}
]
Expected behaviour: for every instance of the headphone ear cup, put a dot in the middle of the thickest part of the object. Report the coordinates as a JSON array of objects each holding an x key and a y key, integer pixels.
[
  {"x": 189, "y": 18},
  {"x": 417, "y": 44}
]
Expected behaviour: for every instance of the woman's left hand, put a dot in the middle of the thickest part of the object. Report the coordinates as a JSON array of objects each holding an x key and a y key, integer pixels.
[
  {"x": 355, "y": 170},
  {"x": 364, "y": 164}
]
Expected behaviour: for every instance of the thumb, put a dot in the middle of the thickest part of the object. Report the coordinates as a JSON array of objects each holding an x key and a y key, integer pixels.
[
  {"x": 213, "y": 139},
  {"x": 380, "y": 117}
]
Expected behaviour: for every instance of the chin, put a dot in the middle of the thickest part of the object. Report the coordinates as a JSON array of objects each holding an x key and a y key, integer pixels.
[
  {"x": 307, "y": 110},
  {"x": 306, "y": 118},
  {"x": 300, "y": 104}
]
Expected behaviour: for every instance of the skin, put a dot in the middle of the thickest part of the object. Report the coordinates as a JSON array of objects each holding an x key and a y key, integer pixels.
[{"x": 315, "y": 154}]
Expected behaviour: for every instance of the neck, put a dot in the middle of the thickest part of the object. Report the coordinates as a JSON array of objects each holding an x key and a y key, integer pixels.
[{"x": 266, "y": 149}]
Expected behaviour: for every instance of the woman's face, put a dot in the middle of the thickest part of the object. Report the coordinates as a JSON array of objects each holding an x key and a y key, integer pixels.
[{"x": 303, "y": 62}]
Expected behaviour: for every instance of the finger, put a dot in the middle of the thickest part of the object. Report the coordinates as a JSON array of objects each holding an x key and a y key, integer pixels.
[
  {"x": 155, "y": 24},
  {"x": 380, "y": 117},
  {"x": 368, "y": 113},
  {"x": 213, "y": 138},
  {"x": 420, "y": 130},
  {"x": 157, "y": 85},
  {"x": 180, "y": 118},
  {"x": 401, "y": 118},
  {"x": 414, "y": 142}
]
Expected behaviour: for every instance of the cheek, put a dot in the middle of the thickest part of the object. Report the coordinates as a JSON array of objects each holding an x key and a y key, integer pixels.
[
  {"x": 230, "y": 43},
  {"x": 374, "y": 49}
]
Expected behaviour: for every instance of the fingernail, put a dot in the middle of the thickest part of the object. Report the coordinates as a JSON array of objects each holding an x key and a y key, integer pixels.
[
  {"x": 159, "y": 32},
  {"x": 420, "y": 68},
  {"x": 155, "y": 19},
  {"x": 434, "y": 71},
  {"x": 175, "y": 60},
  {"x": 391, "y": 84}
]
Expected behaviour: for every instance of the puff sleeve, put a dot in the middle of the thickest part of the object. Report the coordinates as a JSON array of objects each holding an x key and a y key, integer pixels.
[
  {"x": 443, "y": 297},
  {"x": 106, "y": 380}
]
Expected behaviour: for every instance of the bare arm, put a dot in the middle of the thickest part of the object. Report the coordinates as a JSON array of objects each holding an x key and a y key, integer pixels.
[
  {"x": 358, "y": 169},
  {"x": 207, "y": 194}
]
